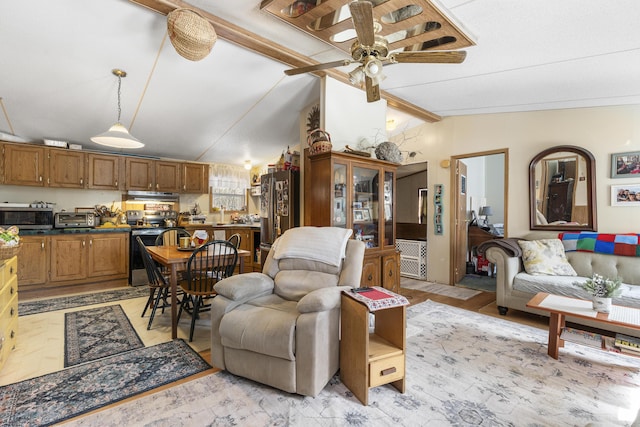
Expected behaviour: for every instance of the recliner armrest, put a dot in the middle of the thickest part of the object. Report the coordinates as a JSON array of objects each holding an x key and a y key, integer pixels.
[
  {"x": 244, "y": 287},
  {"x": 321, "y": 299}
]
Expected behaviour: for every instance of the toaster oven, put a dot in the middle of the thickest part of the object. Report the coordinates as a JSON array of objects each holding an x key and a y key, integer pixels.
[{"x": 74, "y": 220}]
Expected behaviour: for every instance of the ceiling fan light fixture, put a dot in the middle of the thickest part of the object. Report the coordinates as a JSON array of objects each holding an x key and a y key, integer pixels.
[
  {"x": 118, "y": 136},
  {"x": 373, "y": 67},
  {"x": 356, "y": 77}
]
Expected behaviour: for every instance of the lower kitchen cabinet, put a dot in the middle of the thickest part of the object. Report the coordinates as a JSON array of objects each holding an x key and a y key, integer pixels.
[
  {"x": 73, "y": 259},
  {"x": 33, "y": 260}
]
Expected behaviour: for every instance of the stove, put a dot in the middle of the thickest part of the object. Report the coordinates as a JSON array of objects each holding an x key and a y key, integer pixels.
[{"x": 148, "y": 225}]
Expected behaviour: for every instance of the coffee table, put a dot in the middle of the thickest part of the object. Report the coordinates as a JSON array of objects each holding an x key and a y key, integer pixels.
[{"x": 559, "y": 307}]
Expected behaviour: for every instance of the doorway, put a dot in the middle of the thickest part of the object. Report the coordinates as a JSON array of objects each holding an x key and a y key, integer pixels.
[{"x": 466, "y": 191}]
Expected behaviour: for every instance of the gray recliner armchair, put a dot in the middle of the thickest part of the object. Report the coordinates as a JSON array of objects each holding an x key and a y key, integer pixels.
[{"x": 281, "y": 327}]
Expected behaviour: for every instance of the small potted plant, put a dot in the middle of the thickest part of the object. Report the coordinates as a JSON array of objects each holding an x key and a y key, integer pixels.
[{"x": 602, "y": 290}]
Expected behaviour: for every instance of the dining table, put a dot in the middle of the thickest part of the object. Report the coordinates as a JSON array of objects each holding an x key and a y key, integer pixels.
[{"x": 175, "y": 260}]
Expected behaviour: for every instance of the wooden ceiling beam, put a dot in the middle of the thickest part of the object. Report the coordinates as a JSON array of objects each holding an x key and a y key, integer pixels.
[{"x": 251, "y": 41}]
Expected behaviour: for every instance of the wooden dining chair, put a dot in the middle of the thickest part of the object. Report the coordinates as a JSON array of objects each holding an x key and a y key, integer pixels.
[
  {"x": 171, "y": 236},
  {"x": 158, "y": 284},
  {"x": 207, "y": 265},
  {"x": 235, "y": 240}
]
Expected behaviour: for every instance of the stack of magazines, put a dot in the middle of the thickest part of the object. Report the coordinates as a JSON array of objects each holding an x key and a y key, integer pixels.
[
  {"x": 628, "y": 344},
  {"x": 581, "y": 337}
]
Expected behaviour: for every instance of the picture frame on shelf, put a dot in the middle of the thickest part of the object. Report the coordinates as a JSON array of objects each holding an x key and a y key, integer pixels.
[
  {"x": 361, "y": 215},
  {"x": 625, "y": 165},
  {"x": 625, "y": 195}
]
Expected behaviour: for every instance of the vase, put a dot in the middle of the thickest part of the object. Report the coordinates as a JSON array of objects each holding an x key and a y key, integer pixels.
[{"x": 602, "y": 304}]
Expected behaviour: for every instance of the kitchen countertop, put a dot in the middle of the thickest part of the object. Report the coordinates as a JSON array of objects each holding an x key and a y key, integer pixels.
[
  {"x": 75, "y": 231},
  {"x": 209, "y": 224}
]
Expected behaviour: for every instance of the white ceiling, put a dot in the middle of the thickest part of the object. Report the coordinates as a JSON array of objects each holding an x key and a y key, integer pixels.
[{"x": 56, "y": 81}]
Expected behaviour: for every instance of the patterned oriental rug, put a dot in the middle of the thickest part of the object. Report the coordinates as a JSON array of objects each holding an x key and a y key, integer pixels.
[
  {"x": 73, "y": 391},
  {"x": 52, "y": 304},
  {"x": 463, "y": 369},
  {"x": 96, "y": 333}
]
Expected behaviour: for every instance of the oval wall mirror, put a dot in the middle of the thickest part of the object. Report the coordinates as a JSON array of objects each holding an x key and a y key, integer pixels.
[{"x": 562, "y": 191}]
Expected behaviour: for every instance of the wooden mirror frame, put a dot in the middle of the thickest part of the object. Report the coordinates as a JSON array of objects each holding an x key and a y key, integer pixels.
[{"x": 590, "y": 172}]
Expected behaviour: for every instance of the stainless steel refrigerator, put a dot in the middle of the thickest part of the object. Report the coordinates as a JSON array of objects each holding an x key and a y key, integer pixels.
[{"x": 279, "y": 207}]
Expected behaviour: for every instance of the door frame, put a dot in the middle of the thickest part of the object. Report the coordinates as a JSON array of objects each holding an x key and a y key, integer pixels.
[{"x": 453, "y": 201}]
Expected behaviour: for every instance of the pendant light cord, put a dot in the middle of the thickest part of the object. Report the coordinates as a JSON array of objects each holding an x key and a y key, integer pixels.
[
  {"x": 4, "y": 110},
  {"x": 144, "y": 91}
]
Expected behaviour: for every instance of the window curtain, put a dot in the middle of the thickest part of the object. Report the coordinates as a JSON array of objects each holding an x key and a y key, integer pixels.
[{"x": 228, "y": 185}]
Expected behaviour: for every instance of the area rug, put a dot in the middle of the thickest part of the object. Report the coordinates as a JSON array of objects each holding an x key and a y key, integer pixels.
[
  {"x": 97, "y": 332},
  {"x": 52, "y": 304},
  {"x": 436, "y": 288},
  {"x": 463, "y": 369},
  {"x": 73, "y": 391},
  {"x": 479, "y": 282}
]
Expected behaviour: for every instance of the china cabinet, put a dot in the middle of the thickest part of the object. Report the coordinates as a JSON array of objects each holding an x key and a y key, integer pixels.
[{"x": 349, "y": 191}]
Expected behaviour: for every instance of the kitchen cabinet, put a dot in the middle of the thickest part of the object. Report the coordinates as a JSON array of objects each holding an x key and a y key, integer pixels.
[
  {"x": 70, "y": 259},
  {"x": 105, "y": 172},
  {"x": 349, "y": 191},
  {"x": 139, "y": 174},
  {"x": 195, "y": 178},
  {"x": 8, "y": 307},
  {"x": 33, "y": 262},
  {"x": 66, "y": 168},
  {"x": 23, "y": 165},
  {"x": 167, "y": 176}
]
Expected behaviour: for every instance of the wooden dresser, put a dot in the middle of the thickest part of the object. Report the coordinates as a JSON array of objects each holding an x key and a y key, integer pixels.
[{"x": 8, "y": 307}]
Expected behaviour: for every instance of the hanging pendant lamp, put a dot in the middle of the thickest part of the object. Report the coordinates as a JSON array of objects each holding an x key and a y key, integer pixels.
[{"x": 118, "y": 136}]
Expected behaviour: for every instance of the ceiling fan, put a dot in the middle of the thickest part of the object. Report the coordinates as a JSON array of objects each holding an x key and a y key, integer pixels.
[{"x": 372, "y": 52}]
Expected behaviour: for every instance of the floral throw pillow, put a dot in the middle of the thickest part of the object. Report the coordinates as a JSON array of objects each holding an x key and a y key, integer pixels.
[{"x": 545, "y": 256}]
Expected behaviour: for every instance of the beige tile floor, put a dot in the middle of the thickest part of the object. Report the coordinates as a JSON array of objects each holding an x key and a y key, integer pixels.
[{"x": 40, "y": 343}]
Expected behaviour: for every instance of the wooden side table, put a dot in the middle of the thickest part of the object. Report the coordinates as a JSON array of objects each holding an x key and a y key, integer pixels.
[{"x": 370, "y": 360}]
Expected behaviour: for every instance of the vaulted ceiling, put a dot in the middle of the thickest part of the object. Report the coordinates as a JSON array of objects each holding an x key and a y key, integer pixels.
[{"x": 237, "y": 104}]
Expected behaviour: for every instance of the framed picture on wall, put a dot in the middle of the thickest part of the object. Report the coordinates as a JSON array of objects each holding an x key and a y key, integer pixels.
[
  {"x": 625, "y": 195},
  {"x": 625, "y": 165}
]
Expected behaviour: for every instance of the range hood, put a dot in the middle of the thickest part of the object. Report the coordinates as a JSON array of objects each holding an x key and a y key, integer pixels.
[{"x": 151, "y": 196}]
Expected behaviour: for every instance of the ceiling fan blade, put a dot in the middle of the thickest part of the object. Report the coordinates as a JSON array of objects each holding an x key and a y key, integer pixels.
[
  {"x": 373, "y": 91},
  {"x": 309, "y": 68},
  {"x": 453, "y": 57},
  {"x": 362, "y": 15}
]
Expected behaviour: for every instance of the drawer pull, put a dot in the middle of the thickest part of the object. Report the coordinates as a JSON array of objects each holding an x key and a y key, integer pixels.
[
  {"x": 11, "y": 291},
  {"x": 390, "y": 273},
  {"x": 12, "y": 311},
  {"x": 11, "y": 270},
  {"x": 388, "y": 371},
  {"x": 370, "y": 278}
]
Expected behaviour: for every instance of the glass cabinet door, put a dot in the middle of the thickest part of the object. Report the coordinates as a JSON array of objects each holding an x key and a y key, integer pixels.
[
  {"x": 365, "y": 206},
  {"x": 387, "y": 195},
  {"x": 339, "y": 195}
]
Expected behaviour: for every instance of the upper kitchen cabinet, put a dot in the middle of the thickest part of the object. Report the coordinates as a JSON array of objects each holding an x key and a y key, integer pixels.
[
  {"x": 139, "y": 174},
  {"x": 195, "y": 178},
  {"x": 66, "y": 168},
  {"x": 167, "y": 176},
  {"x": 23, "y": 165},
  {"x": 105, "y": 172}
]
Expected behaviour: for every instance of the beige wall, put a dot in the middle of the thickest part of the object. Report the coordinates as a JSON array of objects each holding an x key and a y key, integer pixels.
[{"x": 602, "y": 131}]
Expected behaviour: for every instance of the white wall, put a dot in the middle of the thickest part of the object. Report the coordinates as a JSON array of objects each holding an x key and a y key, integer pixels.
[
  {"x": 602, "y": 131},
  {"x": 349, "y": 118}
]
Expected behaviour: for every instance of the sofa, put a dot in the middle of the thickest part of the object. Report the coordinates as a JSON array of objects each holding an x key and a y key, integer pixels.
[
  {"x": 515, "y": 286},
  {"x": 281, "y": 327}
]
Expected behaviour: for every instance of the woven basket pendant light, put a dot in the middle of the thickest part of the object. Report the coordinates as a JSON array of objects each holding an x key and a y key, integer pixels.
[{"x": 190, "y": 33}]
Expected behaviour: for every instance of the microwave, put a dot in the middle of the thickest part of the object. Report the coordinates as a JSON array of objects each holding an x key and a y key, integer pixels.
[
  {"x": 26, "y": 218},
  {"x": 74, "y": 220}
]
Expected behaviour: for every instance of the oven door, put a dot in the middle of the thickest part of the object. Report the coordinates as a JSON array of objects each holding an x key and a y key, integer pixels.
[{"x": 137, "y": 273}]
